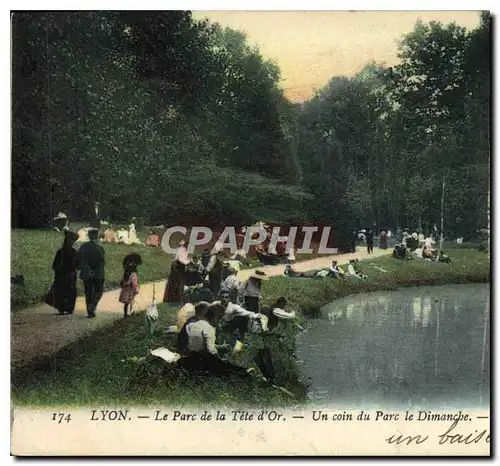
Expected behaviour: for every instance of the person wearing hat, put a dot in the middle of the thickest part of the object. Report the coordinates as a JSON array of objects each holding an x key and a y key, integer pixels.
[
  {"x": 64, "y": 267},
  {"x": 60, "y": 222},
  {"x": 251, "y": 290},
  {"x": 175, "y": 284},
  {"x": 231, "y": 284},
  {"x": 91, "y": 260},
  {"x": 129, "y": 283}
]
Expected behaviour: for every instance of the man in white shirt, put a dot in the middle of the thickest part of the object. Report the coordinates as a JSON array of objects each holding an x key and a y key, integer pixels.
[
  {"x": 201, "y": 337},
  {"x": 236, "y": 317},
  {"x": 202, "y": 352}
]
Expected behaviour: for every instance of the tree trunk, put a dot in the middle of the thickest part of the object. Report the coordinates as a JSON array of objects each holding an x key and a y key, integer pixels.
[
  {"x": 489, "y": 218},
  {"x": 442, "y": 215}
]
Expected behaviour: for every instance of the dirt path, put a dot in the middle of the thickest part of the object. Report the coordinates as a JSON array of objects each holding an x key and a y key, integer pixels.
[{"x": 41, "y": 331}]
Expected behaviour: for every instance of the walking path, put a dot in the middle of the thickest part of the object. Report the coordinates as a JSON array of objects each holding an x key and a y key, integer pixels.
[{"x": 41, "y": 331}]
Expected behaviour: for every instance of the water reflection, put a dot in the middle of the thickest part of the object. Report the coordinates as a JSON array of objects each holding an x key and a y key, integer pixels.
[{"x": 426, "y": 346}]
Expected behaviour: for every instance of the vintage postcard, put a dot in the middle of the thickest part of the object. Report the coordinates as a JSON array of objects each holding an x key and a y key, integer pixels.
[{"x": 250, "y": 233}]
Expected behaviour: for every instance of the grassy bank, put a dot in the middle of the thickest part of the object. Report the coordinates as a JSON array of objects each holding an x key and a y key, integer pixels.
[
  {"x": 468, "y": 266},
  {"x": 32, "y": 253},
  {"x": 112, "y": 366}
]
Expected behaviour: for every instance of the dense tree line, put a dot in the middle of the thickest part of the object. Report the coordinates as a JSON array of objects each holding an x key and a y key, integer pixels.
[
  {"x": 381, "y": 144},
  {"x": 158, "y": 116},
  {"x": 151, "y": 114}
]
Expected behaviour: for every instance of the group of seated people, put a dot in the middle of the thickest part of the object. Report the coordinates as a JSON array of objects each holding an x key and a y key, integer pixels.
[
  {"x": 400, "y": 251},
  {"x": 334, "y": 271},
  {"x": 428, "y": 252},
  {"x": 121, "y": 235},
  {"x": 202, "y": 323}
]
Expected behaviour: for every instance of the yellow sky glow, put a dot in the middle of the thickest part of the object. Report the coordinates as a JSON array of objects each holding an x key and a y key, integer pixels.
[{"x": 312, "y": 46}]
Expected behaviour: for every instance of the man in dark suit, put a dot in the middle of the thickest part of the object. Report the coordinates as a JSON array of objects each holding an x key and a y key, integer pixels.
[{"x": 91, "y": 262}]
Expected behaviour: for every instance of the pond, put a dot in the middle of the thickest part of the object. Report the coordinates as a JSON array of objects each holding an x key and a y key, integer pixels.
[{"x": 414, "y": 348}]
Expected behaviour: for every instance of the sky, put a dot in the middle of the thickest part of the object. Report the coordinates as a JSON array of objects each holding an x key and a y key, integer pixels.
[{"x": 310, "y": 47}]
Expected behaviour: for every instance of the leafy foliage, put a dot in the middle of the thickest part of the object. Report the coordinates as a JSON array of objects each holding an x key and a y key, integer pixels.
[
  {"x": 146, "y": 113},
  {"x": 378, "y": 145},
  {"x": 158, "y": 116}
]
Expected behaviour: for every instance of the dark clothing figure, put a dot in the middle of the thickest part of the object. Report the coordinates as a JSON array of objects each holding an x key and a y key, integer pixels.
[
  {"x": 237, "y": 326},
  {"x": 194, "y": 274},
  {"x": 383, "y": 239},
  {"x": 182, "y": 337},
  {"x": 174, "y": 290},
  {"x": 93, "y": 289},
  {"x": 205, "y": 258},
  {"x": 400, "y": 252},
  {"x": 252, "y": 304},
  {"x": 264, "y": 362},
  {"x": 60, "y": 222},
  {"x": 266, "y": 258},
  {"x": 354, "y": 240},
  {"x": 272, "y": 320},
  {"x": 215, "y": 275},
  {"x": 64, "y": 267},
  {"x": 369, "y": 241},
  {"x": 252, "y": 291},
  {"x": 91, "y": 260}
]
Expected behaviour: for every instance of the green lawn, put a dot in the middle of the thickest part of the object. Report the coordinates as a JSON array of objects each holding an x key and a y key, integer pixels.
[
  {"x": 32, "y": 253},
  {"x": 468, "y": 265},
  {"x": 112, "y": 368}
]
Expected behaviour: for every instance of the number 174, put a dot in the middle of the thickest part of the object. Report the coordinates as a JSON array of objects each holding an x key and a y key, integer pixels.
[{"x": 60, "y": 417}]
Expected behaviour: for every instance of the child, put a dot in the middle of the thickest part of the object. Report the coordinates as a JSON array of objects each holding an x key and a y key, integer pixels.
[{"x": 130, "y": 283}]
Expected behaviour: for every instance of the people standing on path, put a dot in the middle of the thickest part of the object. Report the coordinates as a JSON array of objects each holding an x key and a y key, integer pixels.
[
  {"x": 251, "y": 290},
  {"x": 383, "y": 239},
  {"x": 369, "y": 241},
  {"x": 96, "y": 220},
  {"x": 353, "y": 242},
  {"x": 64, "y": 267},
  {"x": 91, "y": 260},
  {"x": 129, "y": 283},
  {"x": 174, "y": 290}
]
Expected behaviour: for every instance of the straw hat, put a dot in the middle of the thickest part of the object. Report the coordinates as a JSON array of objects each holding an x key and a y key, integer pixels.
[{"x": 259, "y": 275}]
